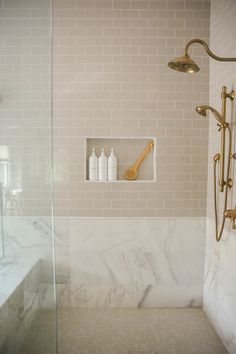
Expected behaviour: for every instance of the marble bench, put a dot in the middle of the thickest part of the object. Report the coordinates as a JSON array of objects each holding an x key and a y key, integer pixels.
[{"x": 19, "y": 300}]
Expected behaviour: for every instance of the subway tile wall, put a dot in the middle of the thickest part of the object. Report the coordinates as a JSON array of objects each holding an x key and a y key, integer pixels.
[
  {"x": 111, "y": 80},
  {"x": 25, "y": 107}
]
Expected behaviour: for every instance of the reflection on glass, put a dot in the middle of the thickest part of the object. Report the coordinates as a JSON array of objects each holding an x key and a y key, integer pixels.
[{"x": 27, "y": 291}]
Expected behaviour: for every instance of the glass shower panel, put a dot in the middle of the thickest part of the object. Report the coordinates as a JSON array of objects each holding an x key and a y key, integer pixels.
[
  {"x": 27, "y": 286},
  {"x": 1, "y": 239}
]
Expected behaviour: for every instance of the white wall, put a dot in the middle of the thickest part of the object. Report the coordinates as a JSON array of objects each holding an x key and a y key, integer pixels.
[{"x": 220, "y": 269}]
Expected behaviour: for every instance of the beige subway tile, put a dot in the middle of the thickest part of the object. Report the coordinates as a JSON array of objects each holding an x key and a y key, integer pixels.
[
  {"x": 103, "y": 4},
  {"x": 110, "y": 79},
  {"x": 155, "y": 203},
  {"x": 129, "y": 212},
  {"x": 111, "y": 212},
  {"x": 121, "y": 4},
  {"x": 153, "y": 4},
  {"x": 102, "y": 203}
]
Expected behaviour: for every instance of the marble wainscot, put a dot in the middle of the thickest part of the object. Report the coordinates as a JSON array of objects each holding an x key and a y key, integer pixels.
[
  {"x": 26, "y": 277},
  {"x": 115, "y": 262},
  {"x": 19, "y": 301},
  {"x": 220, "y": 284},
  {"x": 130, "y": 262},
  {"x": 27, "y": 237}
]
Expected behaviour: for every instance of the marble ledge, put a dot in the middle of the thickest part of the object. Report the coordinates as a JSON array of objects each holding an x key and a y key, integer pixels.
[
  {"x": 20, "y": 301},
  {"x": 13, "y": 271}
]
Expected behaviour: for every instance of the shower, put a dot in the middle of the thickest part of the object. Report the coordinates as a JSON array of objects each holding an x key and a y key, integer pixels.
[
  {"x": 202, "y": 110},
  {"x": 187, "y": 65},
  {"x": 224, "y": 183}
]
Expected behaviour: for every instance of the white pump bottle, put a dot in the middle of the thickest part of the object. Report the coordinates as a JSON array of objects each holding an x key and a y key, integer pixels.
[
  {"x": 112, "y": 166},
  {"x": 93, "y": 166},
  {"x": 102, "y": 167}
]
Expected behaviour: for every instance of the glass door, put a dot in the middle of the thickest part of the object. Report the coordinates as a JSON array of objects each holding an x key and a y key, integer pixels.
[{"x": 27, "y": 277}]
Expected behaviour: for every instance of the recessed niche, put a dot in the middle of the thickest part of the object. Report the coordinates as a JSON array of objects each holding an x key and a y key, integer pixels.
[{"x": 127, "y": 151}]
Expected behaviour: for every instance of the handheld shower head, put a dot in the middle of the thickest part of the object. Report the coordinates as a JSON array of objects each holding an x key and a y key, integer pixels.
[{"x": 202, "y": 110}]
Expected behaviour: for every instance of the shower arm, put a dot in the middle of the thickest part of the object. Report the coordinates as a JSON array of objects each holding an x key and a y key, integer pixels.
[{"x": 207, "y": 49}]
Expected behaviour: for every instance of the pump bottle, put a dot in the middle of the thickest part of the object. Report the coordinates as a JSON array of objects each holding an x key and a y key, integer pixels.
[
  {"x": 93, "y": 166},
  {"x": 102, "y": 167},
  {"x": 112, "y": 166}
]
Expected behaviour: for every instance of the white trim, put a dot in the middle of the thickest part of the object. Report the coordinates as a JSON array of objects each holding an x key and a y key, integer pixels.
[{"x": 116, "y": 138}]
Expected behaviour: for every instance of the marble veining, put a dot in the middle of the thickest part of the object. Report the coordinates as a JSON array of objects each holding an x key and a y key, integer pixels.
[
  {"x": 12, "y": 274},
  {"x": 220, "y": 284},
  {"x": 19, "y": 301},
  {"x": 113, "y": 261}
]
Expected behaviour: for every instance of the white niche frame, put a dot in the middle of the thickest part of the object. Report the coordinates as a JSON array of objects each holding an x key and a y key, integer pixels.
[{"x": 87, "y": 150}]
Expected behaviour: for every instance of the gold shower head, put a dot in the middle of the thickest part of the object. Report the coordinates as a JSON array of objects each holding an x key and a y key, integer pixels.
[
  {"x": 202, "y": 110},
  {"x": 184, "y": 64},
  {"x": 187, "y": 65}
]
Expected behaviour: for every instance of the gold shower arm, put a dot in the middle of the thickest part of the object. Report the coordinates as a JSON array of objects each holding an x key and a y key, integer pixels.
[{"x": 207, "y": 49}]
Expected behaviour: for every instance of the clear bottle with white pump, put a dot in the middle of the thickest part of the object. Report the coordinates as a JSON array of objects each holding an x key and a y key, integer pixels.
[
  {"x": 93, "y": 166},
  {"x": 112, "y": 166},
  {"x": 102, "y": 167}
]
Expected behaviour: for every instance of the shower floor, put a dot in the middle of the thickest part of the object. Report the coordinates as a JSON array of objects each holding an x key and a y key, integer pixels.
[{"x": 129, "y": 331}]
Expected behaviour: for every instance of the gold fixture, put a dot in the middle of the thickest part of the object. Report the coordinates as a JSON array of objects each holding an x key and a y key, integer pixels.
[
  {"x": 224, "y": 183},
  {"x": 231, "y": 214},
  {"x": 187, "y": 65},
  {"x": 132, "y": 172}
]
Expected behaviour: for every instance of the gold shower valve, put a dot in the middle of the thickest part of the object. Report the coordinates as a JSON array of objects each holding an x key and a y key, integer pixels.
[
  {"x": 233, "y": 156},
  {"x": 231, "y": 214},
  {"x": 230, "y": 183}
]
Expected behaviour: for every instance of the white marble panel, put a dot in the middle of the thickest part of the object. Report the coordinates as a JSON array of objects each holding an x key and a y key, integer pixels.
[
  {"x": 12, "y": 273},
  {"x": 116, "y": 262},
  {"x": 1, "y": 240},
  {"x": 19, "y": 301},
  {"x": 26, "y": 236},
  {"x": 220, "y": 284},
  {"x": 129, "y": 262}
]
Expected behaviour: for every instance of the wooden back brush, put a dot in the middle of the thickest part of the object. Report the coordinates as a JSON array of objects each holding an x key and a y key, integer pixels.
[{"x": 132, "y": 172}]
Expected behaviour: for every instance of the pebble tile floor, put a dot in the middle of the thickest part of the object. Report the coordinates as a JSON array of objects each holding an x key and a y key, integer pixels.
[{"x": 125, "y": 331}]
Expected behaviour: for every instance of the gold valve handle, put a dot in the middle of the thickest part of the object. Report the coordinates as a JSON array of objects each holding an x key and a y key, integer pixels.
[
  {"x": 231, "y": 214},
  {"x": 132, "y": 172}
]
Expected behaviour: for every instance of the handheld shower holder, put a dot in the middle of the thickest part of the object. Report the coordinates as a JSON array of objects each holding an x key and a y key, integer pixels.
[
  {"x": 225, "y": 94},
  {"x": 225, "y": 182}
]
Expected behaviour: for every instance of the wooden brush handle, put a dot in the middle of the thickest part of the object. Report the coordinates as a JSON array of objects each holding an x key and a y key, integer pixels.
[{"x": 145, "y": 152}]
